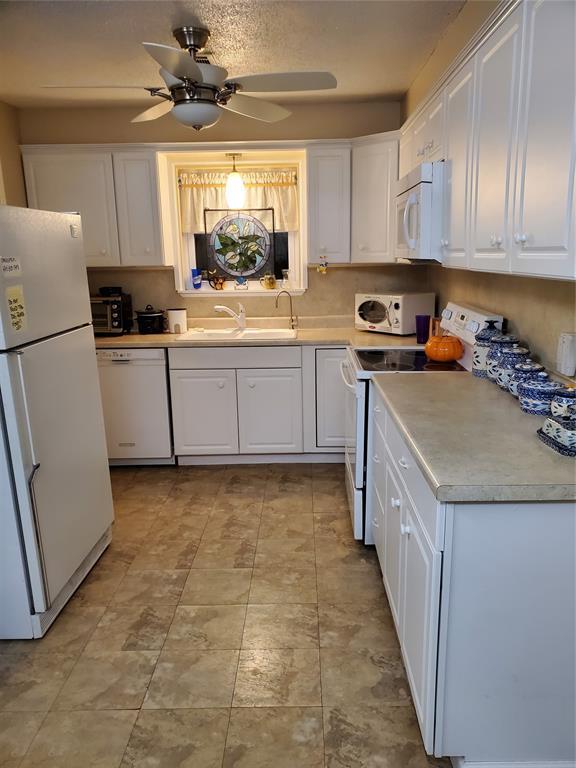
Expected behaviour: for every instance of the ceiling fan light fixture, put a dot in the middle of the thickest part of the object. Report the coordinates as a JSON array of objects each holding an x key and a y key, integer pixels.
[
  {"x": 197, "y": 114},
  {"x": 235, "y": 189}
]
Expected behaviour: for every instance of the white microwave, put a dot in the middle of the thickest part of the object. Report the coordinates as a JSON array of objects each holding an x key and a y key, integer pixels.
[
  {"x": 418, "y": 208},
  {"x": 392, "y": 313}
]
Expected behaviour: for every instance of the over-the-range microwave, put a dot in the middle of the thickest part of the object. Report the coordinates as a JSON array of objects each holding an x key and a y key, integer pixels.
[{"x": 418, "y": 221}]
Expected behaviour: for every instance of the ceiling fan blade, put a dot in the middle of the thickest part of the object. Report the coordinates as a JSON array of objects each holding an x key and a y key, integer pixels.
[
  {"x": 154, "y": 112},
  {"x": 256, "y": 108},
  {"x": 101, "y": 87},
  {"x": 170, "y": 80},
  {"x": 213, "y": 74},
  {"x": 285, "y": 81},
  {"x": 176, "y": 62}
]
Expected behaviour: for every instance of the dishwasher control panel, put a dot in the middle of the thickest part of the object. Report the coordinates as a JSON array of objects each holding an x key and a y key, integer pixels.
[{"x": 127, "y": 355}]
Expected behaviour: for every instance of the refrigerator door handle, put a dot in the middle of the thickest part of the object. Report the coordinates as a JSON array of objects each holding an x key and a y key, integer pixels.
[{"x": 32, "y": 495}]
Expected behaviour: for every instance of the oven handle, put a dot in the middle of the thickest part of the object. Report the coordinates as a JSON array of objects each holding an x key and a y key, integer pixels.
[
  {"x": 351, "y": 387},
  {"x": 412, "y": 200}
]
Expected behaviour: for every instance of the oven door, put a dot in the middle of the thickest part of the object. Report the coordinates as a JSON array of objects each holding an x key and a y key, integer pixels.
[{"x": 355, "y": 411}]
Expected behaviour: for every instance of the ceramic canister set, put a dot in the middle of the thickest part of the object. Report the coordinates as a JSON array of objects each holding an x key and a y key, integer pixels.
[{"x": 502, "y": 359}]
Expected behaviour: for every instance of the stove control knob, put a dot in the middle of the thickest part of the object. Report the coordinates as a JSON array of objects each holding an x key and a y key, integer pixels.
[
  {"x": 473, "y": 326},
  {"x": 446, "y": 314},
  {"x": 396, "y": 305}
]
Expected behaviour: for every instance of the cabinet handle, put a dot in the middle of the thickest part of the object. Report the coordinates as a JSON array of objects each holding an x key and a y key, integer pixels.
[
  {"x": 520, "y": 238},
  {"x": 147, "y": 250},
  {"x": 221, "y": 385},
  {"x": 362, "y": 247},
  {"x": 323, "y": 248},
  {"x": 444, "y": 243},
  {"x": 395, "y": 503},
  {"x": 403, "y": 463},
  {"x": 103, "y": 251},
  {"x": 377, "y": 409},
  {"x": 404, "y": 529},
  {"x": 375, "y": 459},
  {"x": 374, "y": 523},
  {"x": 252, "y": 385}
]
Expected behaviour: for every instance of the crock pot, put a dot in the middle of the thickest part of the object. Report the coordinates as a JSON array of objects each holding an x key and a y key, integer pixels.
[{"x": 150, "y": 320}]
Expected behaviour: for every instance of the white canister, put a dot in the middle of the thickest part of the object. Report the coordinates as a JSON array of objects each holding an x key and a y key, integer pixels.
[{"x": 177, "y": 322}]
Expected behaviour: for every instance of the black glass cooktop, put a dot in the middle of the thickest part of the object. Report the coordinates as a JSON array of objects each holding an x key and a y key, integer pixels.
[{"x": 390, "y": 360}]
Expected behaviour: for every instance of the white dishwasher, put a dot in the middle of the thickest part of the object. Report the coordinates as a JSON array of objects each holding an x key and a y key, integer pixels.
[{"x": 134, "y": 387}]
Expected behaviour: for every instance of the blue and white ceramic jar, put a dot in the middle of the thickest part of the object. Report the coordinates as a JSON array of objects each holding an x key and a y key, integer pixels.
[
  {"x": 509, "y": 357},
  {"x": 559, "y": 429},
  {"x": 522, "y": 372},
  {"x": 535, "y": 395},
  {"x": 497, "y": 344},
  {"x": 481, "y": 347}
]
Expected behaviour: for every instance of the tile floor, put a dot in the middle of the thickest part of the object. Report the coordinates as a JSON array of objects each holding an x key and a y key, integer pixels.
[{"x": 233, "y": 623}]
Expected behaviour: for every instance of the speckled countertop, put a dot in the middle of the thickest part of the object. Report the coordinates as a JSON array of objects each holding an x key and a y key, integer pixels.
[
  {"x": 343, "y": 336},
  {"x": 472, "y": 441}
]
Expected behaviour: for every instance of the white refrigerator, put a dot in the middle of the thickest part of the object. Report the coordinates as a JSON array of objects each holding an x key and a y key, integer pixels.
[{"x": 55, "y": 496}]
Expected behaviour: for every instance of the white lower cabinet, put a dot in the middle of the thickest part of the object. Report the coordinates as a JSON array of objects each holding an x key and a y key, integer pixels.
[
  {"x": 330, "y": 392},
  {"x": 420, "y": 578},
  {"x": 392, "y": 544},
  {"x": 270, "y": 410},
  {"x": 204, "y": 411}
]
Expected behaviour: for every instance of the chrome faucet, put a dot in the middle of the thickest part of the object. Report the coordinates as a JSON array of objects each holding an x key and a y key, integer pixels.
[
  {"x": 293, "y": 318},
  {"x": 239, "y": 318}
]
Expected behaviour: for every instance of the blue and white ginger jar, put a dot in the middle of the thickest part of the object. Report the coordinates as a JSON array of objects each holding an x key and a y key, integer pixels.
[
  {"x": 559, "y": 429},
  {"x": 481, "y": 347},
  {"x": 535, "y": 395},
  {"x": 509, "y": 357},
  {"x": 497, "y": 344},
  {"x": 522, "y": 372}
]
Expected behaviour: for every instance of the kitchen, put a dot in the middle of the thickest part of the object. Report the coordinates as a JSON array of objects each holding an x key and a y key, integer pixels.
[{"x": 312, "y": 563}]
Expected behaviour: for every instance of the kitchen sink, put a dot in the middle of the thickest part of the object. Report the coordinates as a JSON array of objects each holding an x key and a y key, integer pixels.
[{"x": 233, "y": 334}]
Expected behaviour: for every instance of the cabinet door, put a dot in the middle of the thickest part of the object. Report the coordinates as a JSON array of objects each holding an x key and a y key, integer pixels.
[
  {"x": 406, "y": 152},
  {"x": 329, "y": 204},
  {"x": 330, "y": 398},
  {"x": 204, "y": 412},
  {"x": 270, "y": 410},
  {"x": 374, "y": 173},
  {"x": 421, "y": 569},
  {"x": 544, "y": 210},
  {"x": 459, "y": 95},
  {"x": 83, "y": 183},
  {"x": 137, "y": 207},
  {"x": 497, "y": 76},
  {"x": 434, "y": 129},
  {"x": 419, "y": 150},
  {"x": 392, "y": 540}
]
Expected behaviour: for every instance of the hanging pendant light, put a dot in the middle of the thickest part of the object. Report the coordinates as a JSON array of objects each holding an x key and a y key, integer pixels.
[{"x": 235, "y": 189}]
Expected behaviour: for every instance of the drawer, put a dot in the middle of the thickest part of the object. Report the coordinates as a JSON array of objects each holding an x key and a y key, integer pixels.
[
  {"x": 235, "y": 357},
  {"x": 428, "y": 509}
]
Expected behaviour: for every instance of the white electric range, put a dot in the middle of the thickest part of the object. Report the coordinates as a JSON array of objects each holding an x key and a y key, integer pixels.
[{"x": 363, "y": 363}]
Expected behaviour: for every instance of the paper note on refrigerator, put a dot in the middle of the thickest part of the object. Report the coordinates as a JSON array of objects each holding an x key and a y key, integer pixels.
[
  {"x": 10, "y": 265},
  {"x": 16, "y": 307}
]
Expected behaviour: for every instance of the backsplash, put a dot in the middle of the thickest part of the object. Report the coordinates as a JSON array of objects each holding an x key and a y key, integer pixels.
[
  {"x": 537, "y": 310},
  {"x": 328, "y": 295}
]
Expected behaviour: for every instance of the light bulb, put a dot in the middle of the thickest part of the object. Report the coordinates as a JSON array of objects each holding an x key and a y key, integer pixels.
[{"x": 235, "y": 190}]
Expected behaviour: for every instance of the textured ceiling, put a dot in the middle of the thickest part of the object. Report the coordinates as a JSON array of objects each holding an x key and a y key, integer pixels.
[{"x": 375, "y": 49}]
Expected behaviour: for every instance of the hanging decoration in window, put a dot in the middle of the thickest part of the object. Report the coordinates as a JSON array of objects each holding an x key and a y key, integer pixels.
[{"x": 240, "y": 244}]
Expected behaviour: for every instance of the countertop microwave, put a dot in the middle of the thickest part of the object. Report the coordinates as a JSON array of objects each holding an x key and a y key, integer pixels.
[
  {"x": 418, "y": 208},
  {"x": 391, "y": 312}
]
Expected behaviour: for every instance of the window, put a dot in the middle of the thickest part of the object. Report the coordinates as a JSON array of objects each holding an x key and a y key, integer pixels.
[{"x": 264, "y": 237}]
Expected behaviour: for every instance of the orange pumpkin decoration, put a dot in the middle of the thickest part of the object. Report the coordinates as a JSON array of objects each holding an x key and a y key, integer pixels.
[{"x": 444, "y": 349}]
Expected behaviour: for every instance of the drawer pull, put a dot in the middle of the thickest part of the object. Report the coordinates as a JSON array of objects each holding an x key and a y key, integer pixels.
[
  {"x": 375, "y": 459},
  {"x": 395, "y": 503},
  {"x": 404, "y": 529},
  {"x": 374, "y": 523},
  {"x": 221, "y": 385},
  {"x": 377, "y": 409},
  {"x": 403, "y": 463}
]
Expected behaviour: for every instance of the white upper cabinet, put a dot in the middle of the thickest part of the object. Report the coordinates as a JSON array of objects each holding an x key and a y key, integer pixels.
[
  {"x": 374, "y": 173},
  {"x": 328, "y": 204},
  {"x": 116, "y": 195},
  {"x": 422, "y": 140},
  {"x": 137, "y": 205},
  {"x": 544, "y": 215},
  {"x": 459, "y": 99},
  {"x": 497, "y": 79},
  {"x": 78, "y": 182}
]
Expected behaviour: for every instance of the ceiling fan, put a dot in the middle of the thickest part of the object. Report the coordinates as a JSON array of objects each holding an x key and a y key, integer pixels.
[{"x": 197, "y": 91}]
